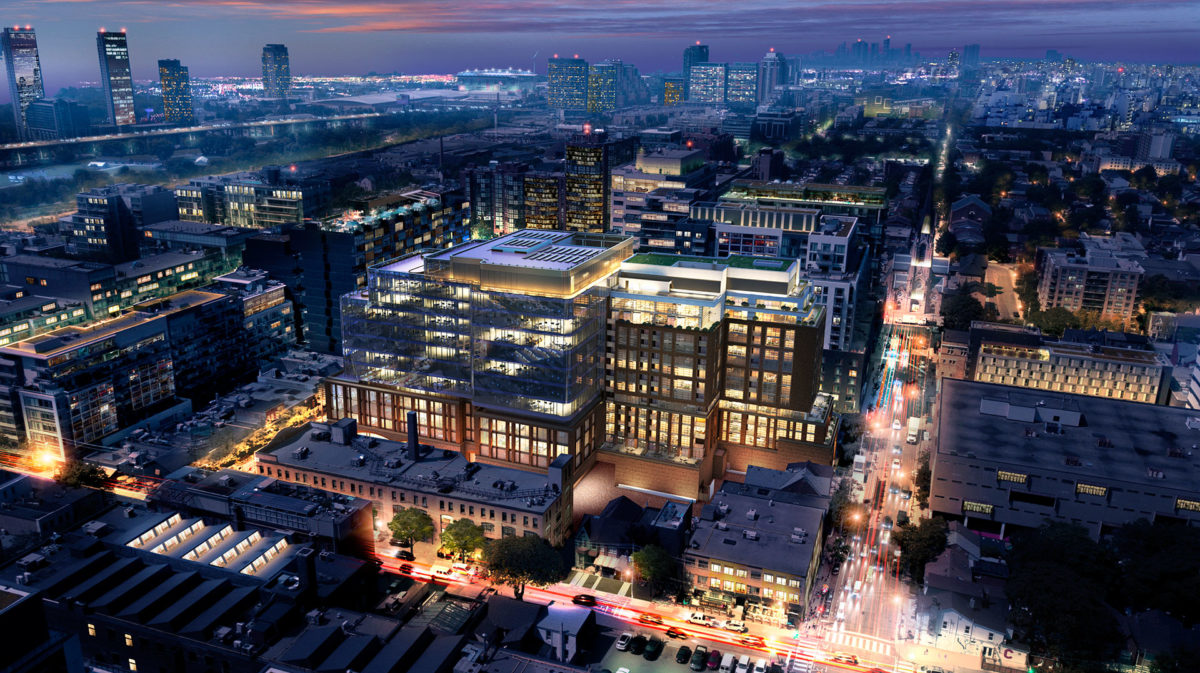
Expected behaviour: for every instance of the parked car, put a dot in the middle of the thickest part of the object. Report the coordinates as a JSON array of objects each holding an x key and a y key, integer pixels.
[
  {"x": 684, "y": 655},
  {"x": 714, "y": 659},
  {"x": 584, "y": 599},
  {"x": 699, "y": 658},
  {"x": 654, "y": 648},
  {"x": 760, "y": 666},
  {"x": 623, "y": 641},
  {"x": 698, "y": 618},
  {"x": 638, "y": 644}
]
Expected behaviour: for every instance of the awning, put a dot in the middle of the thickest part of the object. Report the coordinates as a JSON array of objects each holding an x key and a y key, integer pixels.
[{"x": 607, "y": 561}]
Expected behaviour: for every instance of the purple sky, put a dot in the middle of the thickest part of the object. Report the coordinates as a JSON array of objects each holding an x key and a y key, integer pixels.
[{"x": 225, "y": 37}]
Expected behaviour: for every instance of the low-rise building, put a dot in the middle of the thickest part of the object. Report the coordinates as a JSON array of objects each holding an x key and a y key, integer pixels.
[
  {"x": 1011, "y": 458},
  {"x": 394, "y": 476}
]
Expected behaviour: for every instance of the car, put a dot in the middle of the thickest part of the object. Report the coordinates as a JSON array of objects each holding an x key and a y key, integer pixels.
[
  {"x": 405, "y": 568},
  {"x": 752, "y": 641},
  {"x": 887, "y": 523},
  {"x": 698, "y": 618},
  {"x": 897, "y": 449},
  {"x": 714, "y": 659},
  {"x": 896, "y": 424},
  {"x": 684, "y": 655},
  {"x": 844, "y": 658},
  {"x": 716, "y": 623},
  {"x": 584, "y": 599},
  {"x": 735, "y": 625},
  {"x": 638, "y": 644},
  {"x": 623, "y": 669},
  {"x": 841, "y": 613},
  {"x": 623, "y": 641},
  {"x": 654, "y": 648},
  {"x": 905, "y": 494},
  {"x": 836, "y": 569},
  {"x": 676, "y": 632},
  {"x": 760, "y": 666},
  {"x": 896, "y": 464},
  {"x": 647, "y": 618},
  {"x": 699, "y": 658}
]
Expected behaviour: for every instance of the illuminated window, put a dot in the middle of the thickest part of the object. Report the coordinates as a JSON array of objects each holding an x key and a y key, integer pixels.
[
  {"x": 128, "y": 640},
  {"x": 1191, "y": 505},
  {"x": 133, "y": 664},
  {"x": 92, "y": 630},
  {"x": 1015, "y": 477},
  {"x": 977, "y": 507},
  {"x": 1089, "y": 489}
]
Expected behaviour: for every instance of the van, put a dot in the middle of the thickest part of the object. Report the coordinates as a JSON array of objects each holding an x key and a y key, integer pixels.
[
  {"x": 441, "y": 573},
  {"x": 727, "y": 663},
  {"x": 743, "y": 664}
]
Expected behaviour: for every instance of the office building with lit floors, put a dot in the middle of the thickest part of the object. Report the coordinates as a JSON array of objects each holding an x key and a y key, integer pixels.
[
  {"x": 276, "y": 71},
  {"x": 176, "y": 92},
  {"x": 260, "y": 199},
  {"x": 18, "y": 48},
  {"x": 106, "y": 222},
  {"x": 1010, "y": 458},
  {"x": 587, "y": 170},
  {"x": 116, "y": 77},
  {"x": 713, "y": 366},
  {"x": 567, "y": 84},
  {"x": 498, "y": 345}
]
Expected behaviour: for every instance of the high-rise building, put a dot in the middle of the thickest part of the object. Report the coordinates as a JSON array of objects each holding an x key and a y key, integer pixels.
[
  {"x": 176, "y": 92},
  {"x": 953, "y": 58},
  {"x": 496, "y": 193},
  {"x": 1102, "y": 275},
  {"x": 590, "y": 157},
  {"x": 544, "y": 200},
  {"x": 741, "y": 86},
  {"x": 859, "y": 51},
  {"x": 706, "y": 83},
  {"x": 693, "y": 55},
  {"x": 673, "y": 169},
  {"x": 106, "y": 220},
  {"x": 674, "y": 89},
  {"x": 567, "y": 84},
  {"x": 603, "y": 81},
  {"x": 254, "y": 199},
  {"x": 116, "y": 77},
  {"x": 277, "y": 71},
  {"x": 18, "y": 47},
  {"x": 772, "y": 74},
  {"x": 970, "y": 56}
]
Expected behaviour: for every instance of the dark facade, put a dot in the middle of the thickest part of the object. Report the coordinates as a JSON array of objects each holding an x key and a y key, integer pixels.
[
  {"x": 590, "y": 157},
  {"x": 56, "y": 120},
  {"x": 497, "y": 196},
  {"x": 176, "y": 92},
  {"x": 544, "y": 200},
  {"x": 262, "y": 199},
  {"x": 116, "y": 77},
  {"x": 106, "y": 223},
  {"x": 277, "y": 71},
  {"x": 692, "y": 55}
]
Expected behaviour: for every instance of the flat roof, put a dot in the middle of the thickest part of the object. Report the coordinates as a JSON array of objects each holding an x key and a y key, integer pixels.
[
  {"x": 1093, "y": 437},
  {"x": 734, "y": 261},
  {"x": 530, "y": 249},
  {"x": 438, "y": 471},
  {"x": 774, "y": 548}
]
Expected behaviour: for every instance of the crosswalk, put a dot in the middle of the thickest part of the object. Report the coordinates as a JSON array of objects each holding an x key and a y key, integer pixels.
[
  {"x": 905, "y": 667},
  {"x": 861, "y": 642}
]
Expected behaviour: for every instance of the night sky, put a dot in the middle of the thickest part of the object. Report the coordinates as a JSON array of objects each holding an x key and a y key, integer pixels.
[{"x": 225, "y": 37}]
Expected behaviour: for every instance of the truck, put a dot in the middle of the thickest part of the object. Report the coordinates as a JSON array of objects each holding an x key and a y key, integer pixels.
[{"x": 914, "y": 429}]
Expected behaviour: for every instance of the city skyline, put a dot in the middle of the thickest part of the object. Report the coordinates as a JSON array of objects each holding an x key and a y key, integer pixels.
[{"x": 332, "y": 38}]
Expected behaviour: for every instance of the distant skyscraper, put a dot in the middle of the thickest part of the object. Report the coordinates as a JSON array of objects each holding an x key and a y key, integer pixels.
[
  {"x": 567, "y": 83},
  {"x": 18, "y": 47},
  {"x": 587, "y": 169},
  {"x": 741, "y": 85},
  {"x": 706, "y": 83},
  {"x": 116, "y": 77},
  {"x": 277, "y": 71},
  {"x": 176, "y": 91},
  {"x": 603, "y": 81},
  {"x": 953, "y": 58},
  {"x": 970, "y": 56},
  {"x": 858, "y": 52},
  {"x": 772, "y": 74},
  {"x": 697, "y": 53}
]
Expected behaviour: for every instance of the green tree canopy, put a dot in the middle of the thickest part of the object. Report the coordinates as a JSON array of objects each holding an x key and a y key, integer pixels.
[
  {"x": 960, "y": 310},
  {"x": 520, "y": 561},
  {"x": 411, "y": 524},
  {"x": 922, "y": 480},
  {"x": 463, "y": 537},
  {"x": 78, "y": 473},
  {"x": 655, "y": 565},
  {"x": 919, "y": 544}
]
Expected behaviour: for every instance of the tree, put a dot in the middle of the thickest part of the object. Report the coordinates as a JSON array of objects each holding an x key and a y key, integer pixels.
[
  {"x": 520, "y": 561},
  {"x": 1054, "y": 321},
  {"x": 411, "y": 524},
  {"x": 922, "y": 480},
  {"x": 463, "y": 537},
  {"x": 1159, "y": 568},
  {"x": 77, "y": 473},
  {"x": 919, "y": 545},
  {"x": 840, "y": 502},
  {"x": 655, "y": 565},
  {"x": 960, "y": 310},
  {"x": 1058, "y": 579}
]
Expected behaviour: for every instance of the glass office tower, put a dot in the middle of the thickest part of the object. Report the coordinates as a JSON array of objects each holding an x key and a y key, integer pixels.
[
  {"x": 116, "y": 77},
  {"x": 176, "y": 92},
  {"x": 18, "y": 47}
]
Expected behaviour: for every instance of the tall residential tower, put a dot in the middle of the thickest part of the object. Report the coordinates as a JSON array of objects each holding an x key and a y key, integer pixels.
[
  {"x": 277, "y": 71},
  {"x": 18, "y": 47},
  {"x": 176, "y": 92},
  {"x": 693, "y": 55},
  {"x": 567, "y": 84},
  {"x": 116, "y": 77}
]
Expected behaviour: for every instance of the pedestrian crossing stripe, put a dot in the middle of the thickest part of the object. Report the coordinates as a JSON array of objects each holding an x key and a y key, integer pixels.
[
  {"x": 905, "y": 667},
  {"x": 861, "y": 643}
]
